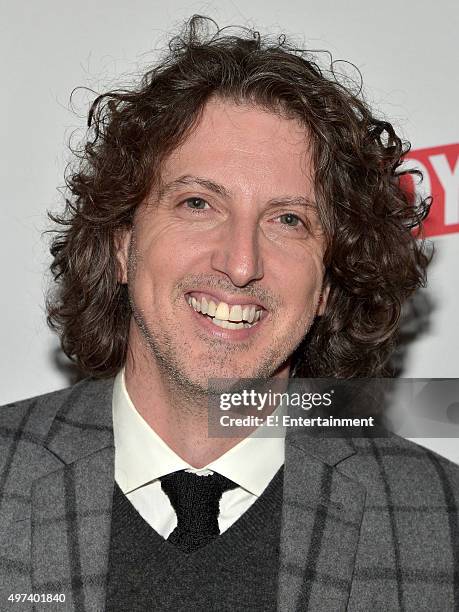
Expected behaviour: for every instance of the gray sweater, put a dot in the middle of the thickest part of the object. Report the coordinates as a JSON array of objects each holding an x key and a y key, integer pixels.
[{"x": 236, "y": 571}]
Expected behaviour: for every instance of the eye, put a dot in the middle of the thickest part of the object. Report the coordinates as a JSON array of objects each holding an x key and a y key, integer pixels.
[
  {"x": 290, "y": 220},
  {"x": 196, "y": 204}
]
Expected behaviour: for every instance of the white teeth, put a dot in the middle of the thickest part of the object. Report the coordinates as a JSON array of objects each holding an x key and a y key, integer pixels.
[
  {"x": 251, "y": 314},
  {"x": 211, "y": 308},
  {"x": 239, "y": 316},
  {"x": 235, "y": 313},
  {"x": 222, "y": 311},
  {"x": 227, "y": 324}
]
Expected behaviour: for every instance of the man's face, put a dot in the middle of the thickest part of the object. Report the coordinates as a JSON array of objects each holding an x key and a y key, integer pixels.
[{"x": 225, "y": 258}]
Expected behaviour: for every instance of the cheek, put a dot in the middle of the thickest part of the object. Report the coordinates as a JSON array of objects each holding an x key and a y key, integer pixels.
[
  {"x": 301, "y": 283},
  {"x": 161, "y": 260},
  {"x": 173, "y": 242}
]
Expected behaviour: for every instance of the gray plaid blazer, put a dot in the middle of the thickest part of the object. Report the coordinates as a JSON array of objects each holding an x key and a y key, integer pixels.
[{"x": 370, "y": 524}]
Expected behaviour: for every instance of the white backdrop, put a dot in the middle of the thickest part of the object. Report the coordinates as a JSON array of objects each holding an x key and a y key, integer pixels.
[{"x": 407, "y": 54}]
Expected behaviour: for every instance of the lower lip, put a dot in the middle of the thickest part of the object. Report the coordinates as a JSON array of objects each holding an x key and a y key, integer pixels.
[{"x": 220, "y": 332}]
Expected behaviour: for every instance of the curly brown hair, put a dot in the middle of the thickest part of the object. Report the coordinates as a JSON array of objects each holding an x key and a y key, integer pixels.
[{"x": 374, "y": 258}]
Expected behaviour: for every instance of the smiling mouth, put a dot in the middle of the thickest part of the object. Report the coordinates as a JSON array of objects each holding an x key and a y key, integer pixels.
[{"x": 227, "y": 316}]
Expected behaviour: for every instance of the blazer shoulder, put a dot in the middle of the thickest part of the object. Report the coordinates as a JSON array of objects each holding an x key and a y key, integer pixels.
[
  {"x": 33, "y": 416},
  {"x": 30, "y": 427},
  {"x": 409, "y": 470}
]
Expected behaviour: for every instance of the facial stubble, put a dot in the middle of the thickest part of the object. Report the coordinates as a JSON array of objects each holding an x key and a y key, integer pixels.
[{"x": 165, "y": 348}]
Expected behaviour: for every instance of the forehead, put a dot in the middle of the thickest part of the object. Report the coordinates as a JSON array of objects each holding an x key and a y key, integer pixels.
[{"x": 245, "y": 148}]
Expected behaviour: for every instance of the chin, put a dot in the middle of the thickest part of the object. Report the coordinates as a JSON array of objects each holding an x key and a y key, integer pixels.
[
  {"x": 212, "y": 379},
  {"x": 224, "y": 377},
  {"x": 227, "y": 377}
]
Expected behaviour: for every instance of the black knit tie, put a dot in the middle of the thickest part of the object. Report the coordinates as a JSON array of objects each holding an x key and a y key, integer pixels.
[{"x": 196, "y": 501}]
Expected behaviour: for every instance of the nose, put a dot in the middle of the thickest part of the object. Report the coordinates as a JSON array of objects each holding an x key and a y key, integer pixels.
[{"x": 237, "y": 252}]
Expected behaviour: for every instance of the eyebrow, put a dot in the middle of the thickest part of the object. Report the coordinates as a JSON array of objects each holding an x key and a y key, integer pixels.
[
  {"x": 300, "y": 201},
  {"x": 188, "y": 180}
]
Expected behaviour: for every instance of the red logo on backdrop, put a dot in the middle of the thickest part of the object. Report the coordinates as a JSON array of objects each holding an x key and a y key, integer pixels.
[{"x": 440, "y": 167}]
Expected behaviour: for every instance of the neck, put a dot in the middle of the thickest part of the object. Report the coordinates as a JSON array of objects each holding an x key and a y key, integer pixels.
[{"x": 177, "y": 413}]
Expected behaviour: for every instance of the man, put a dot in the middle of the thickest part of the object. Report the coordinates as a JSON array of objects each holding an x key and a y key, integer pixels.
[{"x": 237, "y": 215}]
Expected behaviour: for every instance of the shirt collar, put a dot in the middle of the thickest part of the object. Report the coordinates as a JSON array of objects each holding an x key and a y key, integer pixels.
[{"x": 142, "y": 456}]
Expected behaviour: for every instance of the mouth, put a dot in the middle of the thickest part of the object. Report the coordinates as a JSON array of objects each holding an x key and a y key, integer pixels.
[{"x": 226, "y": 316}]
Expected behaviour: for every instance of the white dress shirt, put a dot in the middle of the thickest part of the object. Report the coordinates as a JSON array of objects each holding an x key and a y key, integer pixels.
[{"x": 142, "y": 457}]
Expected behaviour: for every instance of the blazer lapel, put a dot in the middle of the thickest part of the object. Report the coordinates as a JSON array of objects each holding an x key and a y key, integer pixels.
[
  {"x": 71, "y": 507},
  {"x": 322, "y": 513}
]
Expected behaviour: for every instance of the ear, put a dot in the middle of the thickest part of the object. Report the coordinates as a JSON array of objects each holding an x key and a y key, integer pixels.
[
  {"x": 323, "y": 298},
  {"x": 122, "y": 241}
]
